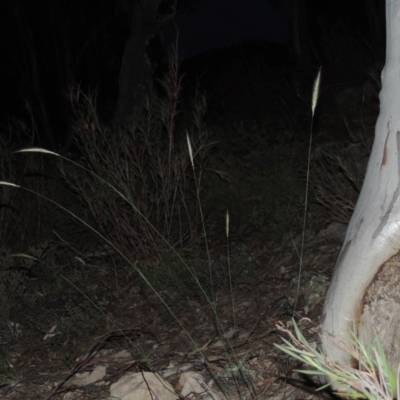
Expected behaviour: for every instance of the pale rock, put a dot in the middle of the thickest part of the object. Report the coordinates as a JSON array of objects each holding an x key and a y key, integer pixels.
[{"x": 142, "y": 386}]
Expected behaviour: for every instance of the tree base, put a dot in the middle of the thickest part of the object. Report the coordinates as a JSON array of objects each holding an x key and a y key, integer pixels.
[{"x": 381, "y": 313}]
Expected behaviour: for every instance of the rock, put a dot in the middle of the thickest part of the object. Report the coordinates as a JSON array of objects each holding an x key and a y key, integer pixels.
[{"x": 142, "y": 386}]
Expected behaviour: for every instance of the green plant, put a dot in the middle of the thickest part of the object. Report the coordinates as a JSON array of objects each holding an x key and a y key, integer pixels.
[{"x": 373, "y": 379}]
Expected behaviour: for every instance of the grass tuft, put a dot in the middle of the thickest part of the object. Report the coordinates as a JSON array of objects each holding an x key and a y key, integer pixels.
[{"x": 373, "y": 379}]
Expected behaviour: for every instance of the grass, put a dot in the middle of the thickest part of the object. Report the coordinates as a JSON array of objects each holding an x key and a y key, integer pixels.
[
  {"x": 151, "y": 202},
  {"x": 92, "y": 312},
  {"x": 81, "y": 316},
  {"x": 373, "y": 379},
  {"x": 138, "y": 199}
]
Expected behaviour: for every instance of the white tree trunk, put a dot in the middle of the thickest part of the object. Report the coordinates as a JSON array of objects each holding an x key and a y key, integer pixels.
[{"x": 373, "y": 236}]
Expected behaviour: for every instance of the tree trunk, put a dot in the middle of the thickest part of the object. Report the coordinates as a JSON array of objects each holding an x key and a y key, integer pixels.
[
  {"x": 37, "y": 96},
  {"x": 137, "y": 72},
  {"x": 364, "y": 288}
]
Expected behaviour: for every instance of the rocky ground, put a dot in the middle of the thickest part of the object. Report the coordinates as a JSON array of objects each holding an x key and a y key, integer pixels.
[{"x": 192, "y": 351}]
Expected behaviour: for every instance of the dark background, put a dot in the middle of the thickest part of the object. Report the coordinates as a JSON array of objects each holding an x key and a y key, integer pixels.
[{"x": 47, "y": 46}]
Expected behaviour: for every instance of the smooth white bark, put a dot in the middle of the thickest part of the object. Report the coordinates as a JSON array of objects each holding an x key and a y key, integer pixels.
[{"x": 373, "y": 235}]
